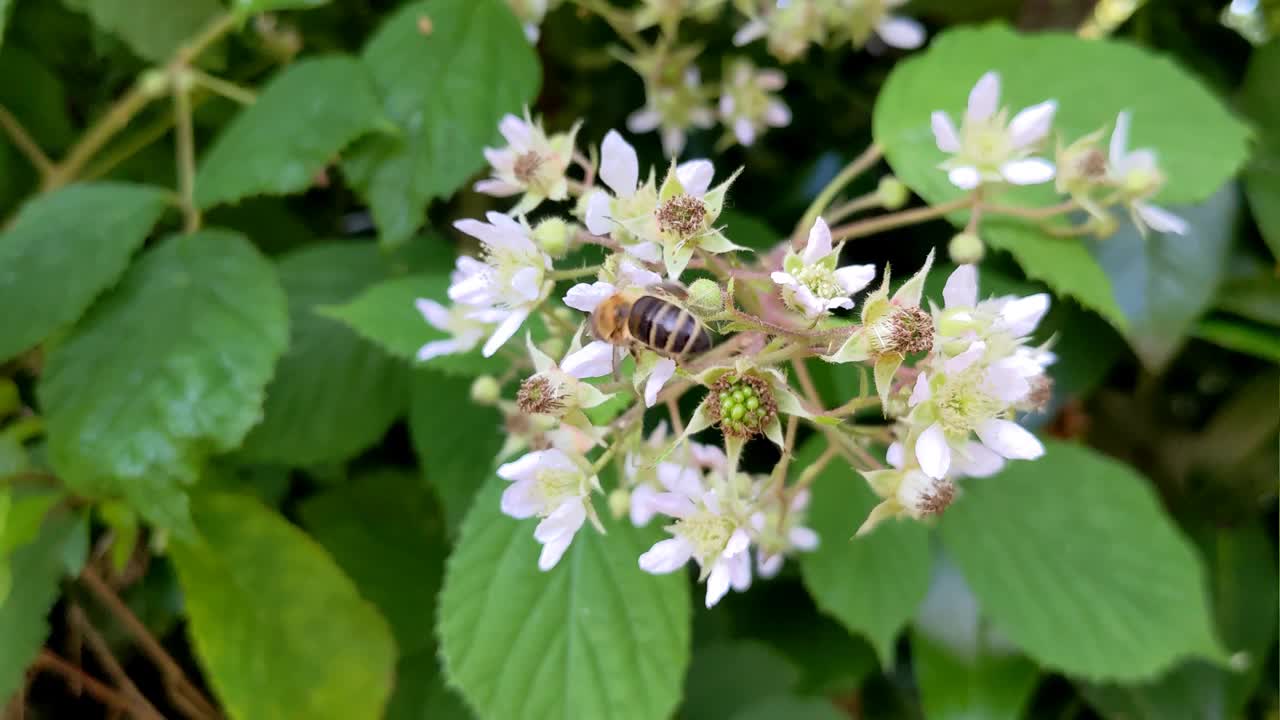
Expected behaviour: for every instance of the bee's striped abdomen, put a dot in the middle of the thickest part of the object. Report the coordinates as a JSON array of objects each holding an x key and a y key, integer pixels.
[{"x": 667, "y": 328}]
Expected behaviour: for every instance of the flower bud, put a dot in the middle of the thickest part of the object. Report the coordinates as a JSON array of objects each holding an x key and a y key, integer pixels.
[
  {"x": 966, "y": 248},
  {"x": 553, "y": 235},
  {"x": 892, "y": 192},
  {"x": 619, "y": 502},
  {"x": 705, "y": 297},
  {"x": 154, "y": 82},
  {"x": 485, "y": 390}
]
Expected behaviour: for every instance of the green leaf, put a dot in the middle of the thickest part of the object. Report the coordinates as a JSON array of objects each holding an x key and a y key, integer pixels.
[
  {"x": 386, "y": 315},
  {"x": 472, "y": 66},
  {"x": 1250, "y": 289},
  {"x": 59, "y": 550},
  {"x": 871, "y": 584},
  {"x": 334, "y": 394},
  {"x": 278, "y": 628},
  {"x": 253, "y": 7},
  {"x": 151, "y": 28},
  {"x": 456, "y": 448},
  {"x": 728, "y": 677},
  {"x": 308, "y": 113},
  {"x": 86, "y": 232},
  {"x": 1260, "y": 101},
  {"x": 167, "y": 370},
  {"x": 1073, "y": 559},
  {"x": 1064, "y": 264},
  {"x": 1241, "y": 336},
  {"x": 1163, "y": 283},
  {"x": 1243, "y": 576},
  {"x": 791, "y": 708},
  {"x": 1093, "y": 80},
  {"x": 964, "y": 668},
  {"x": 593, "y": 637},
  {"x": 749, "y": 231},
  {"x": 6, "y": 7},
  {"x": 384, "y": 531}
]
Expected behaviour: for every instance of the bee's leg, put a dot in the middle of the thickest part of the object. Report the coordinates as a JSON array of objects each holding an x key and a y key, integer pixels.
[{"x": 614, "y": 361}]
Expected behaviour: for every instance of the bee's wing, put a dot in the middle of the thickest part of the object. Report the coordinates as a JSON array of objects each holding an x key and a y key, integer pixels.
[{"x": 669, "y": 289}]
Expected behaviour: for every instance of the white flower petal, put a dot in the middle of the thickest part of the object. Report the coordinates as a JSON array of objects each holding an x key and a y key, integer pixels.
[
  {"x": 527, "y": 282},
  {"x": 744, "y": 131},
  {"x": 437, "y": 348},
  {"x": 984, "y": 98},
  {"x": 944, "y": 132},
  {"x": 819, "y": 244},
  {"x": 1031, "y": 171},
  {"x": 674, "y": 504},
  {"x": 642, "y": 509},
  {"x": 695, "y": 176},
  {"x": 1032, "y": 124},
  {"x": 1119, "y": 139},
  {"x": 496, "y": 187},
  {"x": 436, "y": 315},
  {"x": 932, "y": 451},
  {"x": 599, "y": 218},
  {"x": 812, "y": 306},
  {"x": 619, "y": 167},
  {"x": 643, "y": 120},
  {"x": 1005, "y": 382},
  {"x": 662, "y": 371},
  {"x": 803, "y": 538},
  {"x": 1021, "y": 316},
  {"x": 966, "y": 359},
  {"x": 1161, "y": 220},
  {"x": 586, "y": 297},
  {"x": 635, "y": 276},
  {"x": 976, "y": 460},
  {"x": 777, "y": 114},
  {"x": 1009, "y": 439},
  {"x": 679, "y": 479},
  {"x": 523, "y": 468},
  {"x": 553, "y": 550},
  {"x": 646, "y": 251},
  {"x": 504, "y": 331},
  {"x": 666, "y": 556},
  {"x": 738, "y": 542},
  {"x": 717, "y": 582},
  {"x": 769, "y": 565},
  {"x": 900, "y": 32},
  {"x": 855, "y": 277},
  {"x": 961, "y": 289},
  {"x": 520, "y": 500},
  {"x": 740, "y": 572},
  {"x": 782, "y": 278},
  {"x": 920, "y": 393},
  {"x": 753, "y": 30},
  {"x": 895, "y": 455},
  {"x": 516, "y": 131},
  {"x": 965, "y": 178},
  {"x": 594, "y": 360},
  {"x": 564, "y": 520}
]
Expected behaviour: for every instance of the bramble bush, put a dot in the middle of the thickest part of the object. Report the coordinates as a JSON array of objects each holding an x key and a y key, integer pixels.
[{"x": 459, "y": 358}]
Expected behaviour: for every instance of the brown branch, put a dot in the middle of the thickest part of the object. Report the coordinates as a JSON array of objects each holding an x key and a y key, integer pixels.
[
  {"x": 871, "y": 226},
  {"x": 101, "y": 650},
  {"x": 173, "y": 674},
  {"x": 48, "y": 661}
]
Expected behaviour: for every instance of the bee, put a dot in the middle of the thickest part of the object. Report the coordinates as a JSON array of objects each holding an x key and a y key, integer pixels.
[{"x": 651, "y": 320}]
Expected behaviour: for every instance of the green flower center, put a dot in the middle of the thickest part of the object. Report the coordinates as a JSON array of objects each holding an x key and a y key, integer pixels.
[
  {"x": 707, "y": 532},
  {"x": 555, "y": 485},
  {"x": 820, "y": 281},
  {"x": 683, "y": 216},
  {"x": 742, "y": 406}
]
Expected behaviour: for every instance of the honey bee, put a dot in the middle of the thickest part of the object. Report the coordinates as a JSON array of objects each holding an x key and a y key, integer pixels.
[{"x": 651, "y": 320}]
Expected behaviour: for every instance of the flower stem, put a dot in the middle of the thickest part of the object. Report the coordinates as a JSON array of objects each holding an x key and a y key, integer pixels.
[
  {"x": 617, "y": 20},
  {"x": 225, "y": 88},
  {"x": 863, "y": 228},
  {"x": 855, "y": 168},
  {"x": 1040, "y": 213},
  {"x": 858, "y": 204},
  {"x": 575, "y": 273},
  {"x": 186, "y": 159},
  {"x": 25, "y": 143}
]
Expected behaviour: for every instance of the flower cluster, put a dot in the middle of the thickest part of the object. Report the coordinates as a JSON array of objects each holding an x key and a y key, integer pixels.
[
  {"x": 790, "y": 28},
  {"x": 636, "y": 333},
  {"x": 989, "y": 148}
]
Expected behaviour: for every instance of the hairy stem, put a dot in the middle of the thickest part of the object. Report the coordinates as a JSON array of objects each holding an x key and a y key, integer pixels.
[
  {"x": 225, "y": 88},
  {"x": 858, "y": 204},
  {"x": 1040, "y": 213},
  {"x": 102, "y": 651},
  {"x": 76, "y": 677}
]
